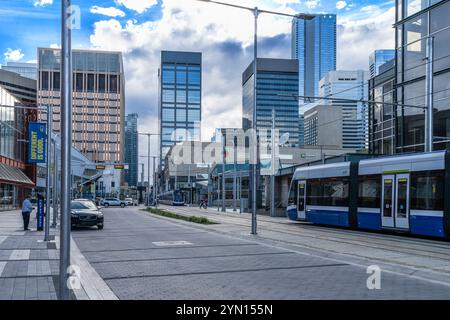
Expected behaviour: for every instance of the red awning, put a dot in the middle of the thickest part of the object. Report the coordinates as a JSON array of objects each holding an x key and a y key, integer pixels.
[{"x": 12, "y": 175}]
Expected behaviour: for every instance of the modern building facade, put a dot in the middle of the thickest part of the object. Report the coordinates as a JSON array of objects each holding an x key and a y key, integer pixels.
[
  {"x": 25, "y": 69},
  {"x": 98, "y": 100},
  {"x": 301, "y": 130},
  {"x": 132, "y": 149},
  {"x": 277, "y": 84},
  {"x": 313, "y": 43},
  {"x": 378, "y": 58},
  {"x": 351, "y": 85},
  {"x": 382, "y": 128},
  {"x": 180, "y": 103},
  {"x": 17, "y": 109},
  {"x": 323, "y": 126},
  {"x": 415, "y": 23}
]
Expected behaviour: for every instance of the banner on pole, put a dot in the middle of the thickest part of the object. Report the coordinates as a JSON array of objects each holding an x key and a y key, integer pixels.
[{"x": 37, "y": 142}]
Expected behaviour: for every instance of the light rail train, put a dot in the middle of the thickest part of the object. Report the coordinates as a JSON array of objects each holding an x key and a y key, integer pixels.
[
  {"x": 172, "y": 198},
  {"x": 407, "y": 193}
]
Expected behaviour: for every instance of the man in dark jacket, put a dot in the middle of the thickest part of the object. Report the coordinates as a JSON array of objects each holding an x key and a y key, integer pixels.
[{"x": 27, "y": 207}]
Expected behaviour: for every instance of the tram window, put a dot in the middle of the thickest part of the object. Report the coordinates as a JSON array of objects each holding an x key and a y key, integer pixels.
[
  {"x": 369, "y": 192},
  {"x": 427, "y": 190},
  {"x": 328, "y": 192}
]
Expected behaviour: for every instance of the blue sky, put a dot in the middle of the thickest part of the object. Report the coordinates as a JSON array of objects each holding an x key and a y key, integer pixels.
[{"x": 142, "y": 28}]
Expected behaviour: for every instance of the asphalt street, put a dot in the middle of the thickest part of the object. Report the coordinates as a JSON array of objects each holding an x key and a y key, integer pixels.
[{"x": 141, "y": 256}]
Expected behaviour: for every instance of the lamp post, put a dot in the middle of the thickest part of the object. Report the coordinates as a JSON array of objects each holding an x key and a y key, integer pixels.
[
  {"x": 256, "y": 12},
  {"x": 149, "y": 135}
]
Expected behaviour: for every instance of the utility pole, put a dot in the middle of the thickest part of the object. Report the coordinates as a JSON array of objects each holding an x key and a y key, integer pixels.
[
  {"x": 66, "y": 145},
  {"x": 429, "y": 116},
  {"x": 55, "y": 184},
  {"x": 234, "y": 171},
  {"x": 49, "y": 173},
  {"x": 223, "y": 172},
  {"x": 272, "y": 176}
]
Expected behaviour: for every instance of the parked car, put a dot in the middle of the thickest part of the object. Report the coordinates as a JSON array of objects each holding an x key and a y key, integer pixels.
[
  {"x": 85, "y": 213},
  {"x": 131, "y": 202},
  {"x": 113, "y": 202}
]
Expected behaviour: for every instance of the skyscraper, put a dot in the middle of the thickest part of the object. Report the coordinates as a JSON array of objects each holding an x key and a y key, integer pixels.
[
  {"x": 352, "y": 85},
  {"x": 98, "y": 100},
  {"x": 180, "y": 105},
  {"x": 131, "y": 149},
  {"x": 377, "y": 59},
  {"x": 313, "y": 43},
  {"x": 275, "y": 77}
]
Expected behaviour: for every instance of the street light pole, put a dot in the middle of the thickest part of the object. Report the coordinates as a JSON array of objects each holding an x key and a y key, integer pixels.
[
  {"x": 272, "y": 176},
  {"x": 223, "y": 173},
  {"x": 234, "y": 172},
  {"x": 255, "y": 159},
  {"x": 55, "y": 184},
  {"x": 66, "y": 145},
  {"x": 49, "y": 173}
]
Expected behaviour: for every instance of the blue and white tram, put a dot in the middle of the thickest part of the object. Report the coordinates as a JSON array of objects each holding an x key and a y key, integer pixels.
[
  {"x": 409, "y": 193},
  {"x": 172, "y": 198}
]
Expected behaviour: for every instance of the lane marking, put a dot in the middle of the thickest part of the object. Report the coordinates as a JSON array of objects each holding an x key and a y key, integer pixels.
[{"x": 171, "y": 243}]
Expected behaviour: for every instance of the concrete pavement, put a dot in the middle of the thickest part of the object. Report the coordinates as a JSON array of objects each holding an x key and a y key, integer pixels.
[{"x": 141, "y": 256}]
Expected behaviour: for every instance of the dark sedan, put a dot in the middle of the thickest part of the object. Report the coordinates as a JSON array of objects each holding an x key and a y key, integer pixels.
[{"x": 86, "y": 214}]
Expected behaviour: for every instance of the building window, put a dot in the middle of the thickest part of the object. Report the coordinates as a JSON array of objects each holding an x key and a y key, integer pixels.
[
  {"x": 90, "y": 82},
  {"x": 45, "y": 80},
  {"x": 101, "y": 83},
  {"x": 193, "y": 96},
  {"x": 113, "y": 84},
  {"x": 56, "y": 81},
  {"x": 168, "y": 96},
  {"x": 79, "y": 82}
]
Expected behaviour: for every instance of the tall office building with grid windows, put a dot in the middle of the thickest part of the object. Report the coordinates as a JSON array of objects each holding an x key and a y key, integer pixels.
[
  {"x": 180, "y": 103},
  {"x": 98, "y": 100}
]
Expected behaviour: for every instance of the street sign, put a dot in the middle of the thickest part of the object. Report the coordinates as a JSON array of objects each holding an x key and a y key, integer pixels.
[
  {"x": 37, "y": 134},
  {"x": 40, "y": 213}
]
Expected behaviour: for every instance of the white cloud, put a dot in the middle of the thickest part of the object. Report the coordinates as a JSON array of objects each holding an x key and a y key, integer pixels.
[
  {"x": 110, "y": 11},
  {"x": 358, "y": 36},
  {"x": 341, "y": 5},
  {"x": 13, "y": 55},
  {"x": 311, "y": 4},
  {"x": 42, "y": 3},
  {"x": 55, "y": 46},
  {"x": 137, "y": 5}
]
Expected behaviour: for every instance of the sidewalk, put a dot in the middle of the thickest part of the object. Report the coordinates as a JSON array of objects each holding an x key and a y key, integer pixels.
[{"x": 29, "y": 266}]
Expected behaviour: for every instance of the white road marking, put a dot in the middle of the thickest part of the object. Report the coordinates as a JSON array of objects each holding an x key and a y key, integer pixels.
[{"x": 171, "y": 243}]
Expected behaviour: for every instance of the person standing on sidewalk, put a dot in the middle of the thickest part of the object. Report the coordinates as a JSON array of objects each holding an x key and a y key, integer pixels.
[{"x": 27, "y": 207}]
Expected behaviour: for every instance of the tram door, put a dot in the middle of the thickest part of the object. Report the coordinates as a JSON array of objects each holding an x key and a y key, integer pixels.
[
  {"x": 387, "y": 210},
  {"x": 301, "y": 200},
  {"x": 395, "y": 201}
]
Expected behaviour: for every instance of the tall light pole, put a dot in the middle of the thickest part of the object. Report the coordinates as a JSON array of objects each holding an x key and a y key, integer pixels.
[
  {"x": 55, "y": 184},
  {"x": 49, "y": 173},
  {"x": 256, "y": 12},
  {"x": 223, "y": 172},
  {"x": 66, "y": 145},
  {"x": 149, "y": 135}
]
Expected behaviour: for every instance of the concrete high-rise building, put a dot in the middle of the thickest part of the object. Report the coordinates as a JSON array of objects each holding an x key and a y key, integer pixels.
[
  {"x": 377, "y": 59},
  {"x": 180, "y": 103},
  {"x": 417, "y": 20},
  {"x": 313, "y": 43},
  {"x": 132, "y": 149},
  {"x": 98, "y": 110},
  {"x": 275, "y": 78},
  {"x": 351, "y": 85},
  {"x": 25, "y": 69},
  {"x": 323, "y": 126}
]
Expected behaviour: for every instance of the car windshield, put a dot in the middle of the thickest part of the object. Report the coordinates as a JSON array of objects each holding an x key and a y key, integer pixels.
[{"x": 82, "y": 205}]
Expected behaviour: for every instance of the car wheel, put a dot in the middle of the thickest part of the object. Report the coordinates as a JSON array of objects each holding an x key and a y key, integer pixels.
[
  {"x": 106, "y": 205},
  {"x": 122, "y": 205},
  {"x": 100, "y": 227}
]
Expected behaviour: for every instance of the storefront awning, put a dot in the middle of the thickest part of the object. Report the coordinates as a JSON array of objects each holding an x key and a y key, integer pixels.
[{"x": 12, "y": 175}]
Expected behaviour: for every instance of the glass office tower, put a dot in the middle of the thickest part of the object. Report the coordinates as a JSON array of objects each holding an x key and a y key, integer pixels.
[
  {"x": 180, "y": 105},
  {"x": 131, "y": 149},
  {"x": 275, "y": 77},
  {"x": 313, "y": 43},
  {"x": 377, "y": 59},
  {"x": 415, "y": 22}
]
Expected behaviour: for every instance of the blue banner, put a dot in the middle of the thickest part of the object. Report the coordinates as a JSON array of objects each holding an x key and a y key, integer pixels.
[{"x": 37, "y": 146}]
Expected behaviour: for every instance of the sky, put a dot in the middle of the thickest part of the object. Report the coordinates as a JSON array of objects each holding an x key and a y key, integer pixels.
[{"x": 142, "y": 28}]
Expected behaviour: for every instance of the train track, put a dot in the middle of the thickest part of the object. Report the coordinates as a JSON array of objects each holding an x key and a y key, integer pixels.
[{"x": 402, "y": 244}]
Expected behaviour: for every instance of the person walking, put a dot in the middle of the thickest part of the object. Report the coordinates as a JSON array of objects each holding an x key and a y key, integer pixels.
[{"x": 27, "y": 207}]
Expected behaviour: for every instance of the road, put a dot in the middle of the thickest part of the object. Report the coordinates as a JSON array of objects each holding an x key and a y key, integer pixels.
[{"x": 141, "y": 256}]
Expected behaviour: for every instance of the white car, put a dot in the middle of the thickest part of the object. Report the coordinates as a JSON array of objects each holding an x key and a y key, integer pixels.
[
  {"x": 113, "y": 202},
  {"x": 131, "y": 202}
]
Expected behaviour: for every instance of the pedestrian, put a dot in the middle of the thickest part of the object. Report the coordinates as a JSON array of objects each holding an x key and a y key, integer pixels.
[{"x": 27, "y": 207}]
